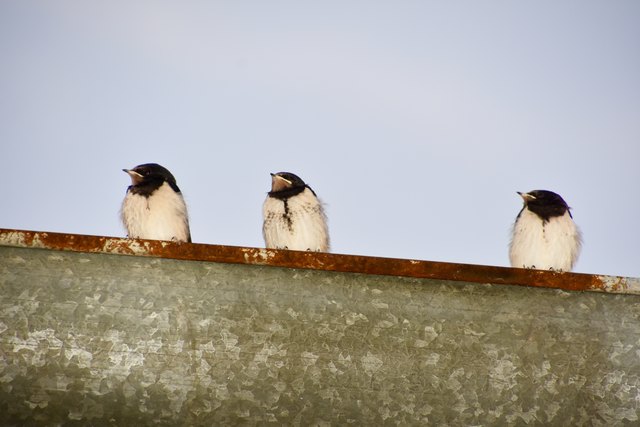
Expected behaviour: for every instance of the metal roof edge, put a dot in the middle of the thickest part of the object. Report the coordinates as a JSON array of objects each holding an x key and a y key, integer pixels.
[{"x": 320, "y": 261}]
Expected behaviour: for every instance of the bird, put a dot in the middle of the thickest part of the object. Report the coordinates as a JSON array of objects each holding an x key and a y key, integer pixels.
[
  {"x": 544, "y": 235},
  {"x": 294, "y": 217},
  {"x": 153, "y": 207}
]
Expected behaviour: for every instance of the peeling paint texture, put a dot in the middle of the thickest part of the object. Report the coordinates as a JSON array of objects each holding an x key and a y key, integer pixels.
[{"x": 105, "y": 339}]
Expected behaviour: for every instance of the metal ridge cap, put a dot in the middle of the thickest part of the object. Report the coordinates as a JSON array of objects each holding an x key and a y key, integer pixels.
[{"x": 319, "y": 261}]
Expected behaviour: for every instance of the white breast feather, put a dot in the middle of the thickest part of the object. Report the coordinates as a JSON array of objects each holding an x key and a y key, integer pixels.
[
  {"x": 553, "y": 245},
  {"x": 162, "y": 216},
  {"x": 307, "y": 230}
]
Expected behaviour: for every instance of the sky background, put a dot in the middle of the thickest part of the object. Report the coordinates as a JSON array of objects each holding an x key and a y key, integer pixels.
[{"x": 414, "y": 121}]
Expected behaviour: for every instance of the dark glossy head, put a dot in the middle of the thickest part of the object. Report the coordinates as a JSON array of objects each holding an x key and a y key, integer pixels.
[
  {"x": 147, "y": 178},
  {"x": 286, "y": 184},
  {"x": 545, "y": 204}
]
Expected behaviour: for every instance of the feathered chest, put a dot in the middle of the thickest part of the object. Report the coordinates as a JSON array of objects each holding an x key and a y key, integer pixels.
[
  {"x": 161, "y": 216},
  {"x": 297, "y": 223},
  {"x": 553, "y": 244}
]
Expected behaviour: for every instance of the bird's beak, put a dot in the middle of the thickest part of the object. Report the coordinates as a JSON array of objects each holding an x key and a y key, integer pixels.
[
  {"x": 526, "y": 196},
  {"x": 279, "y": 183},
  {"x": 135, "y": 176},
  {"x": 281, "y": 178}
]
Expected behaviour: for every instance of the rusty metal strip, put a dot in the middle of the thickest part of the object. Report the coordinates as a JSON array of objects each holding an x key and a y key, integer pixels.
[{"x": 320, "y": 261}]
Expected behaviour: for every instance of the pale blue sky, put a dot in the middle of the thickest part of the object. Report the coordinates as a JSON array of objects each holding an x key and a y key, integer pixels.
[{"x": 415, "y": 121}]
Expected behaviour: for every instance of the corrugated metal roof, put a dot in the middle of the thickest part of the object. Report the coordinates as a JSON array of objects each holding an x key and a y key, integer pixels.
[{"x": 108, "y": 331}]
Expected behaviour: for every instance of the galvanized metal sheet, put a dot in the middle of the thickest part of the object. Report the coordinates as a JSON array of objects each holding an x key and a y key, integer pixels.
[{"x": 91, "y": 337}]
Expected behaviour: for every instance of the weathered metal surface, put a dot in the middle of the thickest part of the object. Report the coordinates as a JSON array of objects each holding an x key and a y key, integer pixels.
[
  {"x": 320, "y": 261},
  {"x": 102, "y": 339}
]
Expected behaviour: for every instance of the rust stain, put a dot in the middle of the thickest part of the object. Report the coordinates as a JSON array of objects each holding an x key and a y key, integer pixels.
[{"x": 318, "y": 261}]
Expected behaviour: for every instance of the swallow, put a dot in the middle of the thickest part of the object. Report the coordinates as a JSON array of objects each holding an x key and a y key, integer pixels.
[
  {"x": 544, "y": 235},
  {"x": 153, "y": 207},
  {"x": 294, "y": 217}
]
